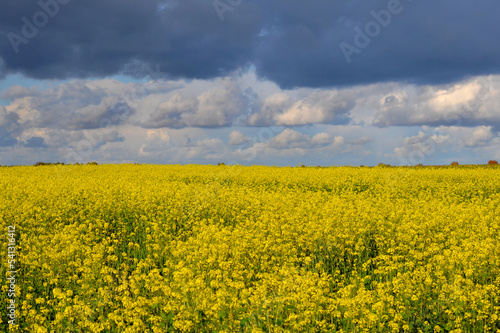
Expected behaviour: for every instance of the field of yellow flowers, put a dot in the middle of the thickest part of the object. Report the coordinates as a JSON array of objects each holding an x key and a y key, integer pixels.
[{"x": 170, "y": 248}]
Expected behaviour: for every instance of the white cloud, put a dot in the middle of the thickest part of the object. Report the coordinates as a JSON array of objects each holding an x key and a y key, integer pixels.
[
  {"x": 237, "y": 138},
  {"x": 415, "y": 145},
  {"x": 321, "y": 139},
  {"x": 289, "y": 138},
  {"x": 216, "y": 107},
  {"x": 195, "y": 121},
  {"x": 161, "y": 134},
  {"x": 468, "y": 136},
  {"x": 271, "y": 106},
  {"x": 470, "y": 102},
  {"x": 75, "y": 105},
  {"x": 309, "y": 107},
  {"x": 418, "y": 148},
  {"x": 320, "y": 107}
]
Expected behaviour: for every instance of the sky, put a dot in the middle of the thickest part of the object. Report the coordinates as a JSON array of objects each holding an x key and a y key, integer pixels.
[{"x": 269, "y": 82}]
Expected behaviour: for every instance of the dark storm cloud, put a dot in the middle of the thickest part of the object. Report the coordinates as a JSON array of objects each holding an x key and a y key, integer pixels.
[{"x": 291, "y": 42}]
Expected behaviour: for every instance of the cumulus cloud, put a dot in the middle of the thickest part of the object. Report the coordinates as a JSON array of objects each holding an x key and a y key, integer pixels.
[
  {"x": 157, "y": 141},
  {"x": 180, "y": 121},
  {"x": 17, "y": 91},
  {"x": 272, "y": 105},
  {"x": 237, "y": 138},
  {"x": 91, "y": 140},
  {"x": 74, "y": 105},
  {"x": 320, "y": 107},
  {"x": 415, "y": 145},
  {"x": 435, "y": 141},
  {"x": 467, "y": 103},
  {"x": 479, "y": 137},
  {"x": 158, "y": 135},
  {"x": 217, "y": 107},
  {"x": 468, "y": 136},
  {"x": 321, "y": 139},
  {"x": 9, "y": 127},
  {"x": 290, "y": 138},
  {"x": 316, "y": 107},
  {"x": 491, "y": 150}
]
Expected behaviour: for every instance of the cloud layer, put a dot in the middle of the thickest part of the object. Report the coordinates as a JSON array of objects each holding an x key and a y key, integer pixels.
[
  {"x": 245, "y": 120},
  {"x": 292, "y": 43}
]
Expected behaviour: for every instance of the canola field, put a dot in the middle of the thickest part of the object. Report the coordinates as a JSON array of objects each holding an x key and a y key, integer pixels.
[{"x": 170, "y": 248}]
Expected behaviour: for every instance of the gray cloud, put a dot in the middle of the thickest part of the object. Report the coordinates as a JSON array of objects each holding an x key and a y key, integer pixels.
[
  {"x": 180, "y": 121},
  {"x": 471, "y": 102},
  {"x": 435, "y": 141},
  {"x": 71, "y": 106},
  {"x": 9, "y": 127},
  {"x": 217, "y": 107},
  {"x": 290, "y": 42},
  {"x": 35, "y": 142}
]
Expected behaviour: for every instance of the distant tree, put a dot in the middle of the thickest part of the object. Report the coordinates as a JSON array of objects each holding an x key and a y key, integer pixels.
[
  {"x": 48, "y": 163},
  {"x": 492, "y": 162},
  {"x": 454, "y": 163}
]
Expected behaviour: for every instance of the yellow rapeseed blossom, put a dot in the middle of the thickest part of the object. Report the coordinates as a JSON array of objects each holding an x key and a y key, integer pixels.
[{"x": 151, "y": 248}]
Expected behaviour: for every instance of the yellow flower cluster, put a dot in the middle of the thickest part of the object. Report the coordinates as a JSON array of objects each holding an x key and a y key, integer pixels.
[{"x": 152, "y": 248}]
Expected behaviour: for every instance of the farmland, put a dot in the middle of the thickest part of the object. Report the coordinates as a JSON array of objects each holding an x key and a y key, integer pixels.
[{"x": 159, "y": 248}]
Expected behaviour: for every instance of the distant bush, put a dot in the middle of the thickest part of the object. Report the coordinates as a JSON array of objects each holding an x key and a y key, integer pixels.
[
  {"x": 92, "y": 163},
  {"x": 454, "y": 163},
  {"x": 45, "y": 163},
  {"x": 492, "y": 162},
  {"x": 383, "y": 165},
  {"x": 220, "y": 164}
]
